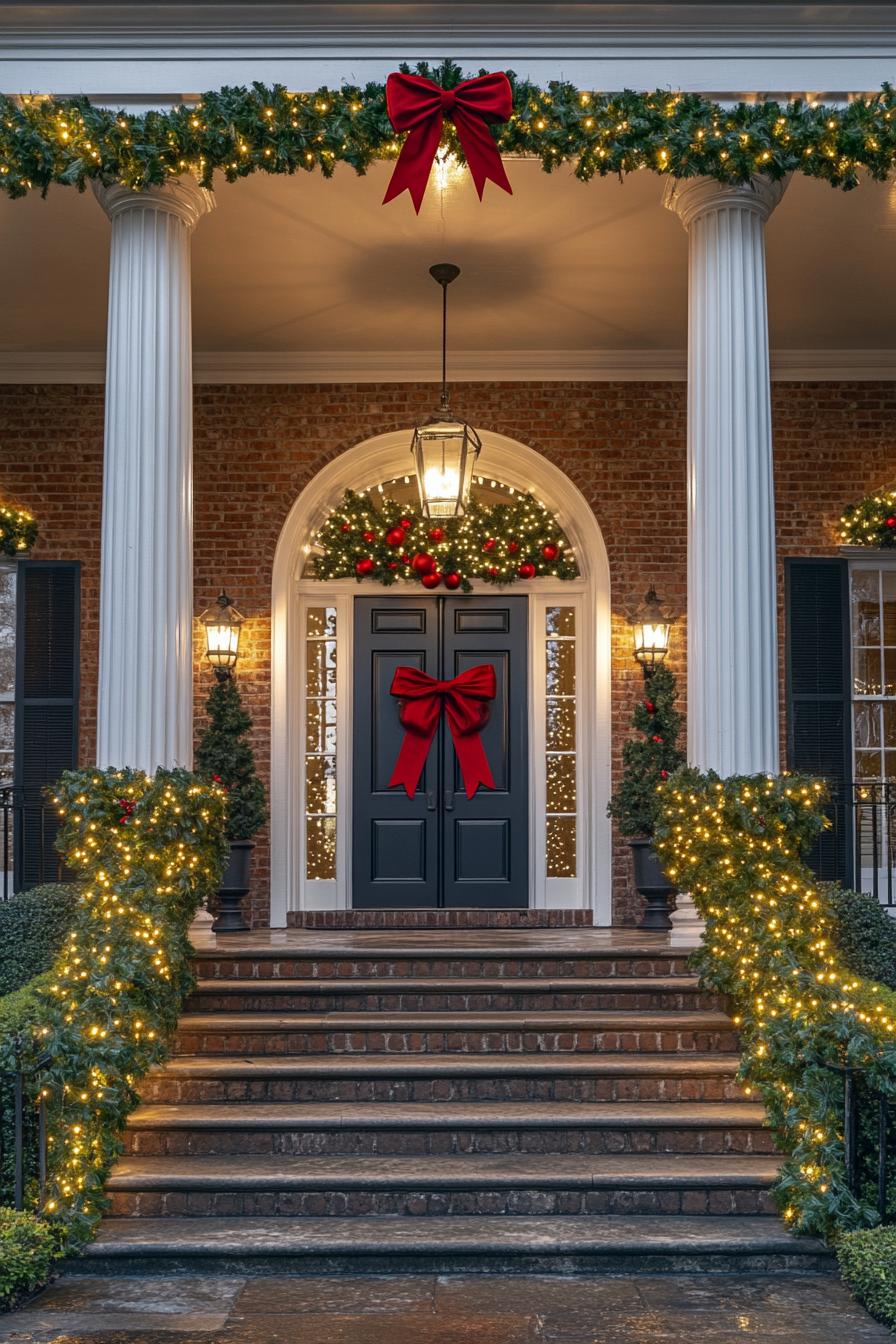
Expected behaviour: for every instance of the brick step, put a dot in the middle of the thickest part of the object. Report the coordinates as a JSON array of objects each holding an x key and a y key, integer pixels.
[
  {"x": 495, "y": 1186},
  {"x": 412, "y": 1033},
  {"x": 391, "y": 959},
  {"x": 440, "y": 919},
  {"x": 445, "y": 1077},
  {"x": 443, "y": 1128},
  {"x": 439, "y": 994},
  {"x": 613, "y": 1244}
]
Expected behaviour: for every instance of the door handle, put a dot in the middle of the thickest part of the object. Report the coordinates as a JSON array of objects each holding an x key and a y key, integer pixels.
[
  {"x": 449, "y": 800},
  {"x": 431, "y": 801}
]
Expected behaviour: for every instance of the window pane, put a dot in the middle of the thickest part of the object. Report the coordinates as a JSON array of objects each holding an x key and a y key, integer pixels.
[
  {"x": 561, "y": 781},
  {"x": 864, "y": 600},
  {"x": 7, "y": 630},
  {"x": 321, "y": 621},
  {"x": 320, "y": 725},
  {"x": 561, "y": 845},
  {"x": 888, "y": 593},
  {"x": 866, "y": 726},
  {"x": 561, "y": 725},
  {"x": 560, "y": 661},
  {"x": 7, "y": 724},
  {"x": 321, "y": 667},
  {"x": 866, "y": 672},
  {"x": 320, "y": 784},
  {"x": 560, "y": 621},
  {"x": 889, "y": 687},
  {"x": 320, "y": 848},
  {"x": 868, "y": 765}
]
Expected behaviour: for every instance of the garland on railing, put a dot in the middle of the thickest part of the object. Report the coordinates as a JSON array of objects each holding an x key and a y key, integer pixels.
[
  {"x": 18, "y": 531},
  {"x": 149, "y": 849},
  {"x": 498, "y": 543},
  {"x": 239, "y": 131},
  {"x": 871, "y": 522},
  {"x": 736, "y": 846}
]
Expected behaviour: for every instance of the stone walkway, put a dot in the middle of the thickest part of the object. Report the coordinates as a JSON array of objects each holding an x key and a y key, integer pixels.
[{"x": 422, "y": 1309}]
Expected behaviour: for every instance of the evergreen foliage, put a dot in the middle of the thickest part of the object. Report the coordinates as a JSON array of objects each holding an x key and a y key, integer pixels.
[
  {"x": 649, "y": 759},
  {"x": 33, "y": 927},
  {"x": 226, "y": 757},
  {"x": 28, "y": 1248},
  {"x": 867, "y": 1260},
  {"x": 865, "y": 935}
]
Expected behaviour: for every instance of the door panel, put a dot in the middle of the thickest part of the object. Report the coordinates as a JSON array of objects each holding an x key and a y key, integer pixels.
[
  {"x": 395, "y": 839},
  {"x": 440, "y": 848}
]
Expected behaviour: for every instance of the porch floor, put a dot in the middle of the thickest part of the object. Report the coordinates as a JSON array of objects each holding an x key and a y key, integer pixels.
[{"x": 565, "y": 942}]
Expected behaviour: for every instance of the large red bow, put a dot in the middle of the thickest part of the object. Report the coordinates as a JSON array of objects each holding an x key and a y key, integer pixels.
[
  {"x": 466, "y": 700},
  {"x": 417, "y": 105}
]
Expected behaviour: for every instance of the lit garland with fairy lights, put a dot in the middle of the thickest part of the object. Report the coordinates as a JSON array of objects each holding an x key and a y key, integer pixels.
[
  {"x": 384, "y": 541},
  {"x": 871, "y": 522},
  {"x": 239, "y": 131},
  {"x": 736, "y": 845},
  {"x": 18, "y": 531},
  {"x": 149, "y": 849}
]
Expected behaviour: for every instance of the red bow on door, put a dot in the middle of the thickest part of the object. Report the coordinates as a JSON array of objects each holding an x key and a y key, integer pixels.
[
  {"x": 466, "y": 701},
  {"x": 417, "y": 105}
]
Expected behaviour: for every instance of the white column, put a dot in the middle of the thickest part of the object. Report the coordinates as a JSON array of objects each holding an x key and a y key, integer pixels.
[
  {"x": 732, "y": 605},
  {"x": 145, "y": 713}
]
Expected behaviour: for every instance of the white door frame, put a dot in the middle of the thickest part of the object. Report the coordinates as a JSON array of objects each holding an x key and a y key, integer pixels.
[{"x": 514, "y": 464}]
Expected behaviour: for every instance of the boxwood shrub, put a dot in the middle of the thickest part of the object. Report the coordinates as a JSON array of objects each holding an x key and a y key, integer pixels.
[
  {"x": 867, "y": 1260},
  {"x": 865, "y": 935},
  {"x": 33, "y": 927},
  {"x": 28, "y": 1247}
]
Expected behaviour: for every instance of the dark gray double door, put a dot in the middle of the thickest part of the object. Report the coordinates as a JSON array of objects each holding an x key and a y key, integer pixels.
[{"x": 439, "y": 848}]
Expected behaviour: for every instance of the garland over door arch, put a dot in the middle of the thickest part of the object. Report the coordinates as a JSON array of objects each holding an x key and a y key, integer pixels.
[{"x": 516, "y": 465}]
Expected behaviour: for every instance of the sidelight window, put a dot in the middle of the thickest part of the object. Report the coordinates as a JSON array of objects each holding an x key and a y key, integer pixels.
[
  {"x": 560, "y": 740},
  {"x": 321, "y": 638}
]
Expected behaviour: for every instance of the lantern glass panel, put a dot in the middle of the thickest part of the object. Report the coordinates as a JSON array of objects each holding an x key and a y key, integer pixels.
[
  {"x": 651, "y": 641},
  {"x": 444, "y": 452}
]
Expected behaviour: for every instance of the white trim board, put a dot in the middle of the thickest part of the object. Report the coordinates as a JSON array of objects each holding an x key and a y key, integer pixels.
[{"x": 472, "y": 366}]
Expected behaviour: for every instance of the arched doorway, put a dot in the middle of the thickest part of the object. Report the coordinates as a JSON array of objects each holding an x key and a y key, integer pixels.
[{"x": 582, "y": 606}]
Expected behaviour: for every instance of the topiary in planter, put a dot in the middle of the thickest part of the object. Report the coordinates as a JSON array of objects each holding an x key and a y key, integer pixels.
[{"x": 225, "y": 754}]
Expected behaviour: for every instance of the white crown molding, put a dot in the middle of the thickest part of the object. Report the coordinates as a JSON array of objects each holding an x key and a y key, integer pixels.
[
  {"x": 150, "y": 51},
  {"x": 471, "y": 366}
]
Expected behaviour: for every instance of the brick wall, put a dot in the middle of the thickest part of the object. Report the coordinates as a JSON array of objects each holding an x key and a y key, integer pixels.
[{"x": 256, "y": 447}]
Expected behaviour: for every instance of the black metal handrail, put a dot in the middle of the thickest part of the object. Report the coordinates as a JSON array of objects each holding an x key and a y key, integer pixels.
[
  {"x": 28, "y": 825},
  {"x": 23, "y": 1135},
  {"x": 859, "y": 848}
]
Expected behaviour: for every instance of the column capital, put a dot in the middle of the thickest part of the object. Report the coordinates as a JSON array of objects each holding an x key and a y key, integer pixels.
[
  {"x": 182, "y": 197},
  {"x": 692, "y": 197}
]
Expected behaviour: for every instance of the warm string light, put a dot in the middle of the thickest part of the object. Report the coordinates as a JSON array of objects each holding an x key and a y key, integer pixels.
[
  {"x": 148, "y": 850},
  {"x": 18, "y": 530},
  {"x": 736, "y": 846},
  {"x": 240, "y": 131},
  {"x": 871, "y": 522}
]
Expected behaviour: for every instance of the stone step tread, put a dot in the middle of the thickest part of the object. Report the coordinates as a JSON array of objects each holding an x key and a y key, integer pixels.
[
  {"x": 609, "y": 1234},
  {"x": 674, "y": 1019},
  {"x": 485, "y": 944},
  {"x": 302, "y": 1116},
  {"x": 645, "y": 1171},
  {"x": 447, "y": 1066},
  {"x": 415, "y": 984}
]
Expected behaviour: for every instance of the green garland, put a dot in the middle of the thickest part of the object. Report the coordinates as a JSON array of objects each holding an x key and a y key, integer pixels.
[
  {"x": 238, "y": 131},
  {"x": 871, "y": 522},
  {"x": 498, "y": 543},
  {"x": 18, "y": 531}
]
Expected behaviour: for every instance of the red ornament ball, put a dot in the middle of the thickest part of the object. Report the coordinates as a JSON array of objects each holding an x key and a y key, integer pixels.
[
  {"x": 649, "y": 706},
  {"x": 493, "y": 573},
  {"x": 422, "y": 563},
  {"x": 550, "y": 551},
  {"x": 346, "y": 527},
  {"x": 395, "y": 536},
  {"x": 406, "y": 523},
  {"x": 891, "y": 522},
  {"x": 436, "y": 534},
  {"x": 405, "y": 558},
  {"x": 369, "y": 536},
  {"x": 526, "y": 570},
  {"x": 432, "y": 579},
  {"x": 393, "y": 564},
  {"x": 656, "y": 738},
  {"x": 512, "y": 547},
  {"x": 664, "y": 774},
  {"x": 364, "y": 566},
  {"x": 452, "y": 581},
  {"x": 488, "y": 544}
]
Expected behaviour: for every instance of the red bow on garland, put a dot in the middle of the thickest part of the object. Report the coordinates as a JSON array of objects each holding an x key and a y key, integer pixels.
[
  {"x": 466, "y": 700},
  {"x": 417, "y": 105}
]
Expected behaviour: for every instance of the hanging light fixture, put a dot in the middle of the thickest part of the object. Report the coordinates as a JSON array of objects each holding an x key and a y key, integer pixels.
[
  {"x": 222, "y": 635},
  {"x": 444, "y": 448},
  {"x": 651, "y": 625}
]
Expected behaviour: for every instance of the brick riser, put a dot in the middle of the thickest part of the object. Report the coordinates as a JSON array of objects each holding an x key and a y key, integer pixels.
[
  {"x": 440, "y": 919},
  {"x": 429, "y": 1203},
  {"x": 394, "y": 1000},
  {"x": 434, "y": 963},
  {"x": 206, "y": 1142},
  {"x": 169, "y": 1089}
]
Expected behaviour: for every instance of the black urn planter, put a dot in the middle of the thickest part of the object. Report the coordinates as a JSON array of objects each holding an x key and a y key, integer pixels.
[
  {"x": 653, "y": 884},
  {"x": 234, "y": 886}
]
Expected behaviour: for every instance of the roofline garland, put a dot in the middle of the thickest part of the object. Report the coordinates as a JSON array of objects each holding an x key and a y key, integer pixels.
[{"x": 239, "y": 131}]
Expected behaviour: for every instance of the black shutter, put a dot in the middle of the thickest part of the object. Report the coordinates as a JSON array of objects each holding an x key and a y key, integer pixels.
[
  {"x": 819, "y": 729},
  {"x": 47, "y": 684}
]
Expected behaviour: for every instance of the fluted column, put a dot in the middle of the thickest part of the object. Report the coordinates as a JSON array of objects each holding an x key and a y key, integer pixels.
[
  {"x": 732, "y": 609},
  {"x": 144, "y": 715}
]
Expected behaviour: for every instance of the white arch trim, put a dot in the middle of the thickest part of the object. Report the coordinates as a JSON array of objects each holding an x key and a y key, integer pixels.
[{"x": 516, "y": 465}]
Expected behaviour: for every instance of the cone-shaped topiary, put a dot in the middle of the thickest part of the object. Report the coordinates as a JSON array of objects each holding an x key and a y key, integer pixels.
[
  {"x": 225, "y": 755},
  {"x": 649, "y": 759}
]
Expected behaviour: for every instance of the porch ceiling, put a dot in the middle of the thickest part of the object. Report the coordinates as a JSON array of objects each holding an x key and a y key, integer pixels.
[{"x": 300, "y": 264}]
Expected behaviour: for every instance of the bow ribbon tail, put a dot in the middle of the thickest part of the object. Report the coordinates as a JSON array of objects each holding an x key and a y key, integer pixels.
[
  {"x": 483, "y": 160},
  {"x": 412, "y": 758},
  {"x": 411, "y": 172},
  {"x": 474, "y": 766}
]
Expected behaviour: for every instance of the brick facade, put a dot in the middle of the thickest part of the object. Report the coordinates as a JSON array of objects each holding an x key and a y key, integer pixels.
[{"x": 256, "y": 447}]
